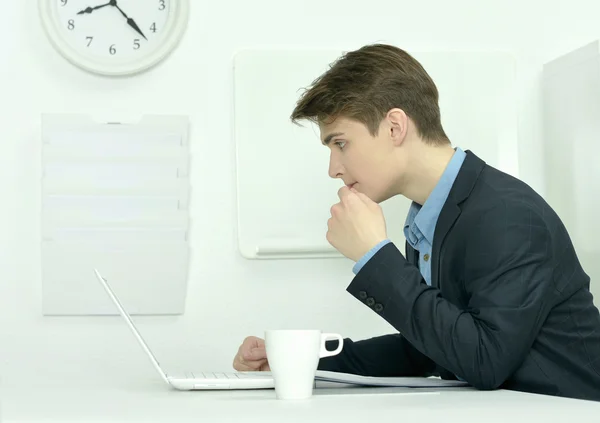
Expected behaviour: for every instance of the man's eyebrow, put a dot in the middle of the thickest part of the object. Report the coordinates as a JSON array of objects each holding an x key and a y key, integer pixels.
[{"x": 329, "y": 137}]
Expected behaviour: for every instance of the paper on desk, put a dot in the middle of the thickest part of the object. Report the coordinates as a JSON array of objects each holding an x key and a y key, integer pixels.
[{"x": 407, "y": 382}]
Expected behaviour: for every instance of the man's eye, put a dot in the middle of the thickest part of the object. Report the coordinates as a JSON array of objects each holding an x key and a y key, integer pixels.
[{"x": 340, "y": 144}]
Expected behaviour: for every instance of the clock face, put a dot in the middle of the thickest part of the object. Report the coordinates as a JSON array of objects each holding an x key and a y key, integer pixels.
[
  {"x": 114, "y": 36},
  {"x": 118, "y": 29}
]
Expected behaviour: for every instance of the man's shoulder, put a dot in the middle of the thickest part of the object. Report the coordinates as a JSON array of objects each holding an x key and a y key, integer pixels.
[
  {"x": 481, "y": 187},
  {"x": 499, "y": 193}
]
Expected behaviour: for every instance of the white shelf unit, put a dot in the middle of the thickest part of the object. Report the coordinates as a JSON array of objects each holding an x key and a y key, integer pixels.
[{"x": 114, "y": 197}]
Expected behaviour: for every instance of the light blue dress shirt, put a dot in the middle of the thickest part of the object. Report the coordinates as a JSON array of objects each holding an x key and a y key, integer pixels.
[{"x": 421, "y": 220}]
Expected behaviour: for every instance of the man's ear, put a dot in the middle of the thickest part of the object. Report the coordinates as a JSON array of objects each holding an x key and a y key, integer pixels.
[{"x": 397, "y": 121}]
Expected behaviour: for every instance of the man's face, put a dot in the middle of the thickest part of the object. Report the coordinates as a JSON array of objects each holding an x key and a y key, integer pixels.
[{"x": 359, "y": 159}]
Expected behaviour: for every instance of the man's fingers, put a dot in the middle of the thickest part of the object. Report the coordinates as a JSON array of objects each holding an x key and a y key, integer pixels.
[
  {"x": 248, "y": 364},
  {"x": 253, "y": 367},
  {"x": 254, "y": 354},
  {"x": 343, "y": 192},
  {"x": 251, "y": 356},
  {"x": 249, "y": 367},
  {"x": 336, "y": 209},
  {"x": 365, "y": 199}
]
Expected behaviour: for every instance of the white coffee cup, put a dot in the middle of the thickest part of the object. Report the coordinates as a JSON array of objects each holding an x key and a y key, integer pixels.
[{"x": 293, "y": 357}]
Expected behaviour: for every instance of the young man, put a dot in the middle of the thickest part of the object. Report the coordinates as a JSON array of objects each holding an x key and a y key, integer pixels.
[{"x": 489, "y": 289}]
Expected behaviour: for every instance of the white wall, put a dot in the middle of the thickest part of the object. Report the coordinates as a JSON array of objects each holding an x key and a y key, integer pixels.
[{"x": 229, "y": 297}]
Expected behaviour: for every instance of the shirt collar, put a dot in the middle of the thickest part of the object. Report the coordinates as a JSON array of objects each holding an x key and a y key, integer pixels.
[{"x": 421, "y": 220}]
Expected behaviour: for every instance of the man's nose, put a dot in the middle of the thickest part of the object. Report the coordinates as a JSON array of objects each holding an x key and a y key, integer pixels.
[{"x": 335, "y": 168}]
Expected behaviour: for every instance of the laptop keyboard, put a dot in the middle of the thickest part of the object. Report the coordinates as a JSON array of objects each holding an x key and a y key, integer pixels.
[{"x": 221, "y": 375}]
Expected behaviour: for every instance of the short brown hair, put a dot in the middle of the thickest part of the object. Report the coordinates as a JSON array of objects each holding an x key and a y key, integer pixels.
[{"x": 365, "y": 84}]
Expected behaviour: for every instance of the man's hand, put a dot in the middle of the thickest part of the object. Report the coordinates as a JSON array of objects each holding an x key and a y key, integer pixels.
[
  {"x": 356, "y": 224},
  {"x": 251, "y": 356}
]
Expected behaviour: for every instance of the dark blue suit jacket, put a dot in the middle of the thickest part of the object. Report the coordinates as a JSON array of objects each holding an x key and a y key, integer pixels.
[{"x": 509, "y": 305}]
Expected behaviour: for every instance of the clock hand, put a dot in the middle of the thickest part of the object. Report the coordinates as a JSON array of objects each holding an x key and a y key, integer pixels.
[
  {"x": 131, "y": 22},
  {"x": 91, "y": 9}
]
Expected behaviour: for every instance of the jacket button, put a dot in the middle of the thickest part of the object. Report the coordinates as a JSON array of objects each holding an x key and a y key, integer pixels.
[
  {"x": 362, "y": 295},
  {"x": 370, "y": 302},
  {"x": 378, "y": 308}
]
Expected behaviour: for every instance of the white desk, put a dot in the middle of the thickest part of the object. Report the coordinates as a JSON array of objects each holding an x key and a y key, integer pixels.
[{"x": 119, "y": 400}]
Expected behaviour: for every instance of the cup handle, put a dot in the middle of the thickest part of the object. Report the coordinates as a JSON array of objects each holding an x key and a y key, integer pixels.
[{"x": 326, "y": 353}]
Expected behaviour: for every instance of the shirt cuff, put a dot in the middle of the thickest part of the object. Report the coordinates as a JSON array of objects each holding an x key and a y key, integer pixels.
[{"x": 364, "y": 259}]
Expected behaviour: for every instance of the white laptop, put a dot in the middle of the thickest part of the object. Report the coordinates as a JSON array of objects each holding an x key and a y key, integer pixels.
[{"x": 195, "y": 380}]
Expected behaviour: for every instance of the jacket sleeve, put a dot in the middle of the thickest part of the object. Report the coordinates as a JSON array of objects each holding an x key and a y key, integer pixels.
[
  {"x": 508, "y": 267},
  {"x": 386, "y": 355}
]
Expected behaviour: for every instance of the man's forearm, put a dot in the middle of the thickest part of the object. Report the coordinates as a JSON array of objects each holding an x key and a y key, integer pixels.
[{"x": 387, "y": 355}]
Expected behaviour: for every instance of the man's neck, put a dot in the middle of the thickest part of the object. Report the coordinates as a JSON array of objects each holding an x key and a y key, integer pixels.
[{"x": 425, "y": 171}]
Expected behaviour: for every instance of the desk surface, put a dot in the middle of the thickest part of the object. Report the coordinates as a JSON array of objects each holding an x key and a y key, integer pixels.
[{"x": 152, "y": 401}]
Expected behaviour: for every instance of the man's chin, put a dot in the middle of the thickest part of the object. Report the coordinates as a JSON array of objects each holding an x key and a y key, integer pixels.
[
  {"x": 373, "y": 197},
  {"x": 379, "y": 198},
  {"x": 376, "y": 197}
]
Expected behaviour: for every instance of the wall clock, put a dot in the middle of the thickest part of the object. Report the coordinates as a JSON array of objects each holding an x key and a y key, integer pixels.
[{"x": 114, "y": 37}]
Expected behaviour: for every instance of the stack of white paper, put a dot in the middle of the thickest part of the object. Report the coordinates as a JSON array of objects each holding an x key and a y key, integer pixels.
[{"x": 407, "y": 382}]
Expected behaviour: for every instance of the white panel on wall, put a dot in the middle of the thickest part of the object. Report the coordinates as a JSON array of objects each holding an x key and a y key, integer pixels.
[
  {"x": 283, "y": 190},
  {"x": 114, "y": 197},
  {"x": 571, "y": 139}
]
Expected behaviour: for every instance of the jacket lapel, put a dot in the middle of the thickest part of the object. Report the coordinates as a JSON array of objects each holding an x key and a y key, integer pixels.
[
  {"x": 448, "y": 216},
  {"x": 461, "y": 189}
]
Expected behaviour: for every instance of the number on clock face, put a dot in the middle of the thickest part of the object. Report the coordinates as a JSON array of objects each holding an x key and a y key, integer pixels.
[{"x": 113, "y": 28}]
